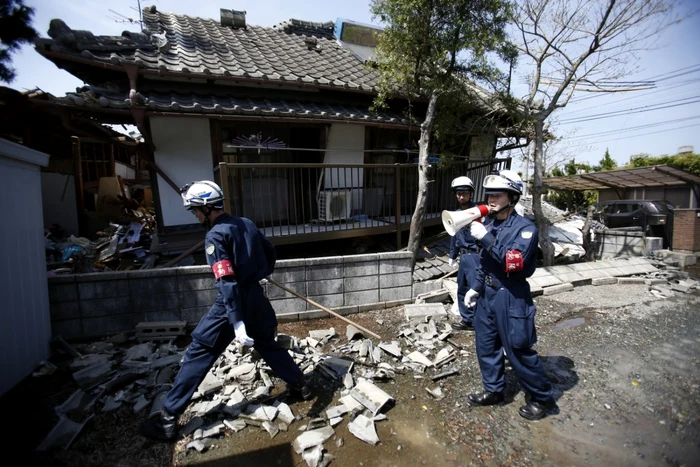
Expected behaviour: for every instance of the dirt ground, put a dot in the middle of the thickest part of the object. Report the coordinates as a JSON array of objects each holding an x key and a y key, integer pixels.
[{"x": 623, "y": 364}]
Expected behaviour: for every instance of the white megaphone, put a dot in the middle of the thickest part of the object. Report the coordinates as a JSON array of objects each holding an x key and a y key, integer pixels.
[{"x": 455, "y": 220}]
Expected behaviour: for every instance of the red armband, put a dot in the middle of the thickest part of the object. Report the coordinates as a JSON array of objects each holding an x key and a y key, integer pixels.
[
  {"x": 223, "y": 268},
  {"x": 514, "y": 261}
]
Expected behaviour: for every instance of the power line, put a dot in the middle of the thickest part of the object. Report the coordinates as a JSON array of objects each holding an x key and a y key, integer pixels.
[
  {"x": 651, "y": 133},
  {"x": 636, "y": 110},
  {"x": 635, "y": 128}
]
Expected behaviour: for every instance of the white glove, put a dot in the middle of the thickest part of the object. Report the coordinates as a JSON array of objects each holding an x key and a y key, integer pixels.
[
  {"x": 451, "y": 262},
  {"x": 470, "y": 298},
  {"x": 241, "y": 334},
  {"x": 478, "y": 230}
]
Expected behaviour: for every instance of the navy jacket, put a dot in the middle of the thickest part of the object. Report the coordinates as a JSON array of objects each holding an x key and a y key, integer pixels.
[
  {"x": 239, "y": 256},
  {"x": 509, "y": 251}
]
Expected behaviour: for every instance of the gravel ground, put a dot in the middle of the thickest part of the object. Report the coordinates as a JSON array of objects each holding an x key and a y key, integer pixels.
[{"x": 623, "y": 363}]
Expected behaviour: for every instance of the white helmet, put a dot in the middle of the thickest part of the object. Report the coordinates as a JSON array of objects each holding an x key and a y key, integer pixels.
[
  {"x": 202, "y": 193},
  {"x": 507, "y": 181},
  {"x": 462, "y": 184}
]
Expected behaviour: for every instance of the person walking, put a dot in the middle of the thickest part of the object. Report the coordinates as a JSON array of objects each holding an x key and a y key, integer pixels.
[{"x": 240, "y": 256}]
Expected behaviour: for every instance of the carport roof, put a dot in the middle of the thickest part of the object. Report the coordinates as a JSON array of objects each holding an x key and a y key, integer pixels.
[{"x": 652, "y": 176}]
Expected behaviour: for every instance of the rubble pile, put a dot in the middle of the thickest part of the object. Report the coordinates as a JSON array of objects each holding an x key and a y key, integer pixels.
[
  {"x": 238, "y": 392},
  {"x": 122, "y": 246}
]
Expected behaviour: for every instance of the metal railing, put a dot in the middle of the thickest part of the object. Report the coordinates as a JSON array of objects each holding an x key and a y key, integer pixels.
[{"x": 298, "y": 203}]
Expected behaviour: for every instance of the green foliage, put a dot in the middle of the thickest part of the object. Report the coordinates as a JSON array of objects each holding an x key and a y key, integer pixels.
[
  {"x": 432, "y": 46},
  {"x": 688, "y": 162},
  {"x": 15, "y": 30},
  {"x": 606, "y": 163},
  {"x": 572, "y": 201}
]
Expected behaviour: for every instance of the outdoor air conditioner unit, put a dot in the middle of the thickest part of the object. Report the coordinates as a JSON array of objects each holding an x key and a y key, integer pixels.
[{"x": 334, "y": 205}]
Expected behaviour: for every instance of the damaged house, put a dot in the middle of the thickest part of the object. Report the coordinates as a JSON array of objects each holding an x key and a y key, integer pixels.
[{"x": 279, "y": 116}]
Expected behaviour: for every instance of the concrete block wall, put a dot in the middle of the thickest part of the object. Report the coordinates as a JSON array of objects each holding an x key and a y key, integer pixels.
[
  {"x": 686, "y": 230},
  {"x": 619, "y": 243},
  {"x": 97, "y": 304}
]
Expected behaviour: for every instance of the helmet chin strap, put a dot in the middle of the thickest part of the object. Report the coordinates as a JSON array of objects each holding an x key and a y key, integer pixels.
[
  {"x": 206, "y": 210},
  {"x": 511, "y": 204}
]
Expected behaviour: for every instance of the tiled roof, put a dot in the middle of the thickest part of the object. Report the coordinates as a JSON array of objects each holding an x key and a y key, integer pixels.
[
  {"x": 293, "y": 52},
  {"x": 220, "y": 102},
  {"x": 433, "y": 264}
]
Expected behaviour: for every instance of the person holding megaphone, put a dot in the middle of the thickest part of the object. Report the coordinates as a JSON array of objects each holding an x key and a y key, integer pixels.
[
  {"x": 464, "y": 247},
  {"x": 505, "y": 312}
]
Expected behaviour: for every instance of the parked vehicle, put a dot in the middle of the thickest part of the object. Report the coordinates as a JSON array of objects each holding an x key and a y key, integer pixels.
[{"x": 655, "y": 217}]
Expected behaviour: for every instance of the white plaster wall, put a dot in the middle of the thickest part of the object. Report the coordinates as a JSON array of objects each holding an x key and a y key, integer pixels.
[
  {"x": 183, "y": 153},
  {"x": 58, "y": 200},
  {"x": 25, "y": 334}
]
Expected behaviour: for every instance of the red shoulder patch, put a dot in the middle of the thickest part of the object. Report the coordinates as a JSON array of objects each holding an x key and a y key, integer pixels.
[
  {"x": 223, "y": 268},
  {"x": 514, "y": 261}
]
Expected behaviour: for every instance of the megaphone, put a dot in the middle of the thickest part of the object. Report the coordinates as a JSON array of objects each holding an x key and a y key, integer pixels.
[{"x": 455, "y": 220}]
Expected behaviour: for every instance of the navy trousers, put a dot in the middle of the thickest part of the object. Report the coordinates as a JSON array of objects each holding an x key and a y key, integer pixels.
[
  {"x": 215, "y": 332},
  {"x": 505, "y": 319},
  {"x": 466, "y": 275}
]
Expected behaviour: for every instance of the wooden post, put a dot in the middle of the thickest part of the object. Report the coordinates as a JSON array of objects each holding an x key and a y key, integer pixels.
[
  {"x": 78, "y": 179},
  {"x": 398, "y": 206},
  {"x": 225, "y": 185}
]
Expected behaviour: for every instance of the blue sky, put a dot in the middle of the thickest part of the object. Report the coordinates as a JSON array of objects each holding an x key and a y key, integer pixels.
[{"x": 675, "y": 64}]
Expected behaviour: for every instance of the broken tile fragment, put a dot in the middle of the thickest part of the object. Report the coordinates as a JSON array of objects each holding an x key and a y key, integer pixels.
[
  {"x": 200, "y": 444},
  {"x": 235, "y": 425},
  {"x": 312, "y": 438},
  {"x": 139, "y": 352},
  {"x": 370, "y": 396},
  {"x": 337, "y": 411},
  {"x": 418, "y": 357},
  {"x": 271, "y": 428},
  {"x": 351, "y": 332},
  {"x": 191, "y": 426},
  {"x": 284, "y": 412},
  {"x": 363, "y": 428},
  {"x": 392, "y": 349},
  {"x": 141, "y": 403},
  {"x": 93, "y": 375},
  {"x": 313, "y": 456},
  {"x": 62, "y": 434}
]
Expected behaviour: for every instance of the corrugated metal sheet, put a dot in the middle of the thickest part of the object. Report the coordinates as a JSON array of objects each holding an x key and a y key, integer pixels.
[{"x": 25, "y": 332}]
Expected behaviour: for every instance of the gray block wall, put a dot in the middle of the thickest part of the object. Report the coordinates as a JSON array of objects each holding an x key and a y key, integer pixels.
[
  {"x": 610, "y": 244},
  {"x": 98, "y": 304}
]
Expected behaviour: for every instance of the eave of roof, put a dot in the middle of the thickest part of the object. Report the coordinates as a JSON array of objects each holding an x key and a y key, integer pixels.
[{"x": 638, "y": 177}]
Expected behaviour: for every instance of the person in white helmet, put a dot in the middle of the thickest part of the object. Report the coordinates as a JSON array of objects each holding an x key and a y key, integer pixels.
[
  {"x": 240, "y": 256},
  {"x": 505, "y": 314},
  {"x": 466, "y": 248}
]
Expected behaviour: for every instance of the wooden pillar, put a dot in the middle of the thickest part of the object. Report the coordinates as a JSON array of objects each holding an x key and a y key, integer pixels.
[{"x": 78, "y": 179}]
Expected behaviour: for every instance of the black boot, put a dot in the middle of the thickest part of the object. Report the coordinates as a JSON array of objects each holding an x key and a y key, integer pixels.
[
  {"x": 486, "y": 398},
  {"x": 160, "y": 428},
  {"x": 301, "y": 390},
  {"x": 536, "y": 410},
  {"x": 463, "y": 326}
]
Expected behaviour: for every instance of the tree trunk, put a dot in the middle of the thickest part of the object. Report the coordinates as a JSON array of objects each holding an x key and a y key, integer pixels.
[
  {"x": 426, "y": 128},
  {"x": 537, "y": 190},
  {"x": 586, "y": 232}
]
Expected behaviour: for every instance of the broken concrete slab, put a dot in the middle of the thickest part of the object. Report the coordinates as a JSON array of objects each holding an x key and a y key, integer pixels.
[
  {"x": 284, "y": 412},
  {"x": 393, "y": 348},
  {"x": 93, "y": 375},
  {"x": 555, "y": 289},
  {"x": 370, "y": 396},
  {"x": 436, "y": 393},
  {"x": 320, "y": 334},
  {"x": 312, "y": 438},
  {"x": 604, "y": 281},
  {"x": 140, "y": 352},
  {"x": 191, "y": 426},
  {"x": 235, "y": 425},
  {"x": 210, "y": 384},
  {"x": 351, "y": 332},
  {"x": 63, "y": 434},
  {"x": 420, "y": 311},
  {"x": 78, "y": 402},
  {"x": 271, "y": 428},
  {"x": 313, "y": 456},
  {"x": 200, "y": 445},
  {"x": 337, "y": 411},
  {"x": 418, "y": 357},
  {"x": 363, "y": 428}
]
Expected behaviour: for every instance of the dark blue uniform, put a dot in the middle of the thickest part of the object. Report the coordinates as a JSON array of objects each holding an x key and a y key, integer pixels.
[
  {"x": 466, "y": 248},
  {"x": 505, "y": 314},
  {"x": 240, "y": 256}
]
